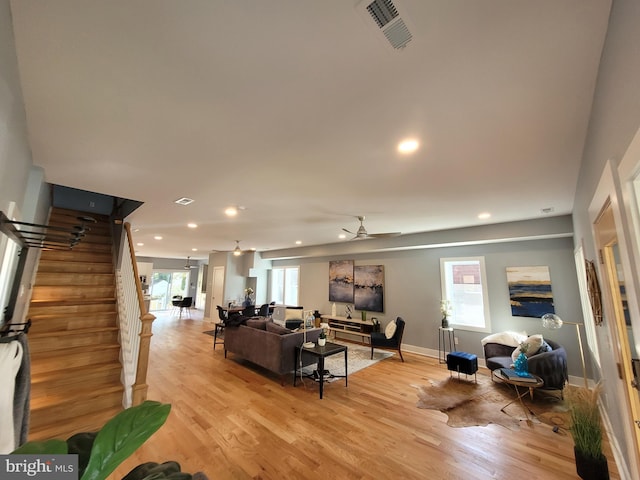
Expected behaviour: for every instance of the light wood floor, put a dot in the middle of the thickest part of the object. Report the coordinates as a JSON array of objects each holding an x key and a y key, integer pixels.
[{"x": 234, "y": 421}]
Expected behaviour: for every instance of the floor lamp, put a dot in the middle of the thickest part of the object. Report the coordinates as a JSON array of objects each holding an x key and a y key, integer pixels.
[{"x": 554, "y": 322}]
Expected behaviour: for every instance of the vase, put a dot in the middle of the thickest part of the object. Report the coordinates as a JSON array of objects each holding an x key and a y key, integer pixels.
[
  {"x": 589, "y": 468},
  {"x": 445, "y": 322},
  {"x": 322, "y": 341},
  {"x": 521, "y": 365},
  {"x": 247, "y": 301}
]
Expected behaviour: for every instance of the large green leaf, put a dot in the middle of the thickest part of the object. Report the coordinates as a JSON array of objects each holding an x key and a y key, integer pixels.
[
  {"x": 122, "y": 435},
  {"x": 53, "y": 447}
]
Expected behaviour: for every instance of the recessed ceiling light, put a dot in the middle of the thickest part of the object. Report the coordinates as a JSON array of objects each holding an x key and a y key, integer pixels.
[
  {"x": 231, "y": 212},
  {"x": 184, "y": 201},
  {"x": 194, "y": 249},
  {"x": 484, "y": 215},
  {"x": 157, "y": 237},
  {"x": 140, "y": 244},
  {"x": 298, "y": 242},
  {"x": 408, "y": 146},
  {"x": 192, "y": 225},
  {"x": 342, "y": 236}
]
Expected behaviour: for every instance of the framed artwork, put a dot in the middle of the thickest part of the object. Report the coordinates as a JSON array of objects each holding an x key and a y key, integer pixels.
[
  {"x": 341, "y": 281},
  {"x": 530, "y": 291},
  {"x": 369, "y": 288},
  {"x": 593, "y": 288}
]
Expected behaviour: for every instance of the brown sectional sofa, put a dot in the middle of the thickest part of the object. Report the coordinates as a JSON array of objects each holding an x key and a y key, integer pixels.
[{"x": 267, "y": 344}]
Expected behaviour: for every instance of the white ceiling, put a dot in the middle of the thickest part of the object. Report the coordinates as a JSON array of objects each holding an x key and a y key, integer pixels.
[{"x": 293, "y": 109}]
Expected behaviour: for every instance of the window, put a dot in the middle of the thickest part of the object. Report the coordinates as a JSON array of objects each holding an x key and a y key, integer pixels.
[
  {"x": 464, "y": 284},
  {"x": 284, "y": 285}
]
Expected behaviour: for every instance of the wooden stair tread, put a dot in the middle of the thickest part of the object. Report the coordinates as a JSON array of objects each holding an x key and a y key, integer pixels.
[
  {"x": 73, "y": 301},
  {"x": 98, "y": 369},
  {"x": 71, "y": 396},
  {"x": 64, "y": 350},
  {"x": 83, "y": 423},
  {"x": 76, "y": 331}
]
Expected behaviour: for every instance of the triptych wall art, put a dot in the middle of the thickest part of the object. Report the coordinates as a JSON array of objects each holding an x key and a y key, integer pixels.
[
  {"x": 362, "y": 285},
  {"x": 530, "y": 291}
]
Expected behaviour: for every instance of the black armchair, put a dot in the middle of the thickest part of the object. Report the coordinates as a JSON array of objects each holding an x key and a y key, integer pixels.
[{"x": 379, "y": 339}]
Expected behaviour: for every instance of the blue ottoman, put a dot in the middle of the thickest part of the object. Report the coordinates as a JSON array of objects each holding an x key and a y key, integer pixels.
[{"x": 463, "y": 362}]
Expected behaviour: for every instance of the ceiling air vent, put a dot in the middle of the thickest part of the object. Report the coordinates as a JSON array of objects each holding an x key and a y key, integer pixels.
[
  {"x": 387, "y": 20},
  {"x": 184, "y": 201}
]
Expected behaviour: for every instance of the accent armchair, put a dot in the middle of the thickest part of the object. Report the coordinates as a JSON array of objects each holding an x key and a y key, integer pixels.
[
  {"x": 379, "y": 339},
  {"x": 551, "y": 366}
]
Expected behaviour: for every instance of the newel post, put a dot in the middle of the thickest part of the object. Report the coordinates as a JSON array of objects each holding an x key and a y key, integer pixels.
[{"x": 140, "y": 388}]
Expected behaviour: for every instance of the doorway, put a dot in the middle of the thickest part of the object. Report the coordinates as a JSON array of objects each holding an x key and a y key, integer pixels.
[
  {"x": 166, "y": 284},
  {"x": 616, "y": 289}
]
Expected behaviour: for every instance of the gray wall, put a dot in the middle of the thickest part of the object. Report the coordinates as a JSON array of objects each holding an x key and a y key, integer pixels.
[
  {"x": 614, "y": 120},
  {"x": 20, "y": 181},
  {"x": 412, "y": 290}
]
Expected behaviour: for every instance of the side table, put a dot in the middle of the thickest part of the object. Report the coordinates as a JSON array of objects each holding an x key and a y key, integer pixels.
[
  {"x": 446, "y": 337},
  {"x": 321, "y": 353}
]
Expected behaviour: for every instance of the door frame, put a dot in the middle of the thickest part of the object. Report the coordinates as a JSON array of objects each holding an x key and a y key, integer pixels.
[{"x": 606, "y": 194}]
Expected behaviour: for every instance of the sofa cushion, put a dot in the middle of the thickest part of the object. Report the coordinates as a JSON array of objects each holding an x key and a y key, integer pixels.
[
  {"x": 259, "y": 323},
  {"x": 534, "y": 342},
  {"x": 275, "y": 328}
]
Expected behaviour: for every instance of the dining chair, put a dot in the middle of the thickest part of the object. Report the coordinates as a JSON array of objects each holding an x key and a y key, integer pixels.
[
  {"x": 219, "y": 326},
  {"x": 185, "y": 304},
  {"x": 264, "y": 310},
  {"x": 249, "y": 311}
]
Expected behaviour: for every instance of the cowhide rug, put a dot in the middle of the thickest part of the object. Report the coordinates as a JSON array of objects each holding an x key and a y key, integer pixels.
[{"x": 467, "y": 403}]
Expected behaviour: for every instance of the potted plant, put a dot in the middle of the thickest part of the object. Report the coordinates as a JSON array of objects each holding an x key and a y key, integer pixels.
[
  {"x": 445, "y": 310},
  {"x": 322, "y": 338},
  {"x": 99, "y": 453},
  {"x": 586, "y": 431}
]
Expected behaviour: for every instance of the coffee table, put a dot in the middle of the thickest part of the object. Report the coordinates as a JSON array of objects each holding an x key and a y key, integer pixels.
[
  {"x": 515, "y": 382},
  {"x": 321, "y": 352}
]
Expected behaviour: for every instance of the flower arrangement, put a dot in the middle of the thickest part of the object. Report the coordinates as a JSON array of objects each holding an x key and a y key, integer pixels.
[
  {"x": 524, "y": 347},
  {"x": 248, "y": 291},
  {"x": 445, "y": 308}
]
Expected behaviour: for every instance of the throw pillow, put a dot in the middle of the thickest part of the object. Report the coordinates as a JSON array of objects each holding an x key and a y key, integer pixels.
[
  {"x": 544, "y": 348},
  {"x": 259, "y": 323},
  {"x": 275, "y": 328},
  {"x": 534, "y": 342},
  {"x": 511, "y": 339},
  {"x": 390, "y": 330}
]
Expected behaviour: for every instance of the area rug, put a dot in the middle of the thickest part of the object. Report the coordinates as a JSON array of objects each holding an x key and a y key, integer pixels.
[
  {"x": 358, "y": 358},
  {"x": 467, "y": 403}
]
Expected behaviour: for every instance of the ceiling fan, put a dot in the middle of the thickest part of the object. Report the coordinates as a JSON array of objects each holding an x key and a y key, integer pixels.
[
  {"x": 362, "y": 233},
  {"x": 188, "y": 265}
]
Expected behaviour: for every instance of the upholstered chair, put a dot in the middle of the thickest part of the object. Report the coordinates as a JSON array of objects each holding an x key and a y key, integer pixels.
[{"x": 380, "y": 340}]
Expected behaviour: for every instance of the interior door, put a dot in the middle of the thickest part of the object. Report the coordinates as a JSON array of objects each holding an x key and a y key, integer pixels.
[
  {"x": 217, "y": 287},
  {"x": 609, "y": 249}
]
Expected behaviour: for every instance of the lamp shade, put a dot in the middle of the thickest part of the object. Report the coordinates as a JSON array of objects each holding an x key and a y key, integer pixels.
[{"x": 551, "y": 321}]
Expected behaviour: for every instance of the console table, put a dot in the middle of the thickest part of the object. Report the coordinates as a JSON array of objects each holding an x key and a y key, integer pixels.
[{"x": 353, "y": 326}]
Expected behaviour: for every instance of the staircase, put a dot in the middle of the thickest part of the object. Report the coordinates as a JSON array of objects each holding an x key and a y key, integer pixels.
[{"x": 73, "y": 339}]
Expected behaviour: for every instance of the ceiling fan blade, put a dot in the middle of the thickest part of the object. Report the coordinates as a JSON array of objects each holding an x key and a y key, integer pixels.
[
  {"x": 345, "y": 230},
  {"x": 382, "y": 235}
]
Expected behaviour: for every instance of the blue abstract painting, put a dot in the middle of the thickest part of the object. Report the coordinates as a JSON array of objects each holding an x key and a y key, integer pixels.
[{"x": 530, "y": 291}]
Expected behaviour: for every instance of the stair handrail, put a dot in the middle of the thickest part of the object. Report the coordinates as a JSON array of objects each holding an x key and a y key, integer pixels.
[{"x": 140, "y": 387}]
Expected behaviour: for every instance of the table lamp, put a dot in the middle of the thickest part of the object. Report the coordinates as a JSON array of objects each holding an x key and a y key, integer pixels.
[{"x": 554, "y": 322}]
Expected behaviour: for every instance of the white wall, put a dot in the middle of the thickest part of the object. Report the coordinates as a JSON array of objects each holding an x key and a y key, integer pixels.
[
  {"x": 20, "y": 181},
  {"x": 614, "y": 120}
]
